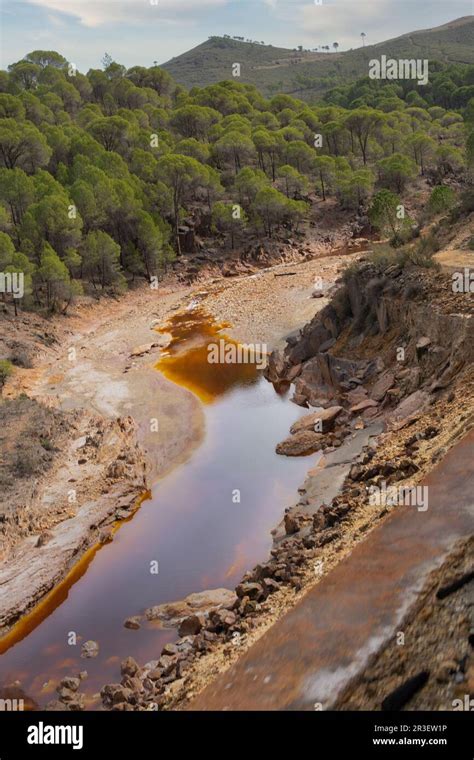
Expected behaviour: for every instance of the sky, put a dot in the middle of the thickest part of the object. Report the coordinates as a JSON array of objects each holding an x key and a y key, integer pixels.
[{"x": 139, "y": 32}]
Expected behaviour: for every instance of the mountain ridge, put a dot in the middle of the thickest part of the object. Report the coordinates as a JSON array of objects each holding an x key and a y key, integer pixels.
[{"x": 310, "y": 73}]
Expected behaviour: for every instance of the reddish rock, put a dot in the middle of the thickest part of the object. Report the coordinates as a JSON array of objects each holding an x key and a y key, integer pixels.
[
  {"x": 362, "y": 405},
  {"x": 191, "y": 625},
  {"x": 382, "y": 386},
  {"x": 324, "y": 416},
  {"x": 300, "y": 444}
]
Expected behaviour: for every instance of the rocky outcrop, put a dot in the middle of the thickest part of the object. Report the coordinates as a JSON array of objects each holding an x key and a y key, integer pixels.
[
  {"x": 300, "y": 444},
  {"x": 189, "y": 614},
  {"x": 108, "y": 470},
  {"x": 399, "y": 335}
]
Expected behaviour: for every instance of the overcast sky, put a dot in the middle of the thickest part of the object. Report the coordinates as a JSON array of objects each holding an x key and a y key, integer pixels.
[{"x": 138, "y": 32}]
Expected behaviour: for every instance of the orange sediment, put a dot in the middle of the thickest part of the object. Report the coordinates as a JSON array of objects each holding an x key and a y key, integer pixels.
[{"x": 185, "y": 361}]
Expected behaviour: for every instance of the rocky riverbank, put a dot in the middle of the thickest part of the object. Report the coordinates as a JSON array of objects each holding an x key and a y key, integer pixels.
[
  {"x": 91, "y": 382},
  {"x": 385, "y": 417},
  {"x": 375, "y": 414}
]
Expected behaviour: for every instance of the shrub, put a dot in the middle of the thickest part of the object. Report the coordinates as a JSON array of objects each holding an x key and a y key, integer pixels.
[
  {"x": 21, "y": 358},
  {"x": 6, "y": 369},
  {"x": 442, "y": 199}
]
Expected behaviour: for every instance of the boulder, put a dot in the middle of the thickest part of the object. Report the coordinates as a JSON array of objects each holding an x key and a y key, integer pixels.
[
  {"x": 90, "y": 649},
  {"x": 275, "y": 369},
  {"x": 292, "y": 523},
  {"x": 382, "y": 386},
  {"x": 69, "y": 683},
  {"x": 129, "y": 667},
  {"x": 254, "y": 591},
  {"x": 326, "y": 417},
  {"x": 65, "y": 695},
  {"x": 367, "y": 403},
  {"x": 411, "y": 406},
  {"x": 300, "y": 444},
  {"x": 222, "y": 619},
  {"x": 133, "y": 623},
  {"x": 422, "y": 345},
  {"x": 191, "y": 625},
  {"x": 171, "y": 614}
]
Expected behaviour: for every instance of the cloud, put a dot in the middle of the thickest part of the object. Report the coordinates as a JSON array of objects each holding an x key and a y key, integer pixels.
[
  {"x": 93, "y": 13},
  {"x": 344, "y": 20}
]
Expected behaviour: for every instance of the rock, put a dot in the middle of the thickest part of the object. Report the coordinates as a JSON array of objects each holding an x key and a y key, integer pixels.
[
  {"x": 412, "y": 405},
  {"x": 167, "y": 664},
  {"x": 276, "y": 368},
  {"x": 122, "y": 694},
  {"x": 300, "y": 399},
  {"x": 366, "y": 404},
  {"x": 90, "y": 649},
  {"x": 69, "y": 683},
  {"x": 271, "y": 585},
  {"x": 129, "y": 667},
  {"x": 325, "y": 417},
  {"x": 170, "y": 649},
  {"x": 356, "y": 395},
  {"x": 201, "y": 603},
  {"x": 422, "y": 345},
  {"x": 115, "y": 693},
  {"x": 247, "y": 606},
  {"x": 133, "y": 623},
  {"x": 65, "y": 695},
  {"x": 133, "y": 682},
  {"x": 106, "y": 535},
  {"x": 144, "y": 349},
  {"x": 292, "y": 523},
  {"x": 356, "y": 472},
  {"x": 43, "y": 538},
  {"x": 222, "y": 619},
  {"x": 230, "y": 269},
  {"x": 327, "y": 345},
  {"x": 78, "y": 703},
  {"x": 293, "y": 372},
  {"x": 382, "y": 386},
  {"x": 300, "y": 444},
  {"x": 191, "y": 625},
  {"x": 254, "y": 591},
  {"x": 56, "y": 706}
]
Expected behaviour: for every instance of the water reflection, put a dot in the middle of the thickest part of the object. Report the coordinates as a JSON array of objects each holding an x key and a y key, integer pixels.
[{"x": 201, "y": 536}]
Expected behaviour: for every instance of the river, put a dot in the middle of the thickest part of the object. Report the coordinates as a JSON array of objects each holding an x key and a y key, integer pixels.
[{"x": 205, "y": 523}]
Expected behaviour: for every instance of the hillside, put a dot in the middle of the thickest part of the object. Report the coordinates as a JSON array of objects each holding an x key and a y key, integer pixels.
[{"x": 308, "y": 74}]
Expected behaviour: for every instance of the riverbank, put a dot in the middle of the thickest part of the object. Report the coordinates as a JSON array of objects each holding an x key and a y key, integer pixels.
[
  {"x": 97, "y": 367},
  {"x": 426, "y": 406},
  {"x": 249, "y": 303}
]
